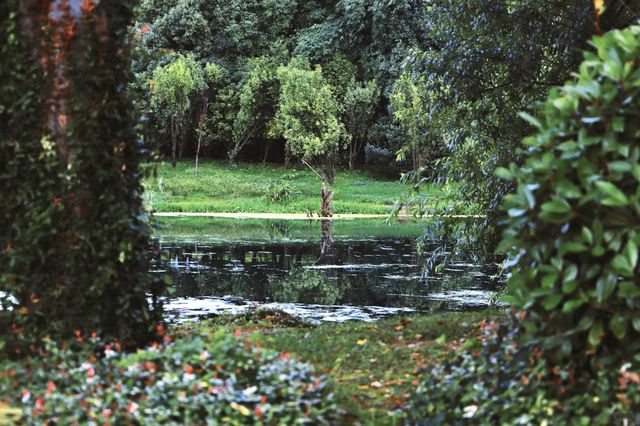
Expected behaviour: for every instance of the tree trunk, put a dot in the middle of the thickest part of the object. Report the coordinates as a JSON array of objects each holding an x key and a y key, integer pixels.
[
  {"x": 72, "y": 127},
  {"x": 198, "y": 152},
  {"x": 267, "y": 148},
  {"x": 330, "y": 168},
  {"x": 203, "y": 117},
  {"x": 174, "y": 143},
  {"x": 352, "y": 155}
]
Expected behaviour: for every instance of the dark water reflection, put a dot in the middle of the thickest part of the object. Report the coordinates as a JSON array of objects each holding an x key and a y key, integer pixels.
[{"x": 362, "y": 271}]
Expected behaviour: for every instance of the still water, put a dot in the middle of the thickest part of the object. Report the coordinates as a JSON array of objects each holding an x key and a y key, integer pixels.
[{"x": 320, "y": 271}]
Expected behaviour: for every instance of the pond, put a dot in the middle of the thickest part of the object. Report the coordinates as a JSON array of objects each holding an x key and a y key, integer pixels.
[{"x": 316, "y": 270}]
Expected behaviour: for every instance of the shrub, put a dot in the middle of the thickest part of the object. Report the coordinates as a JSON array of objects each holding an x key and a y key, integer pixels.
[
  {"x": 279, "y": 192},
  {"x": 495, "y": 381},
  {"x": 571, "y": 355},
  {"x": 574, "y": 219},
  {"x": 381, "y": 161},
  {"x": 214, "y": 379}
]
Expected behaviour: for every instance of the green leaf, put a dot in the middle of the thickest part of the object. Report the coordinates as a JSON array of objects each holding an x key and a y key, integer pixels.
[
  {"x": 549, "y": 280},
  {"x": 558, "y": 205},
  {"x": 570, "y": 273},
  {"x": 628, "y": 289},
  {"x": 567, "y": 189},
  {"x": 635, "y": 322},
  {"x": 614, "y": 197},
  {"x": 531, "y": 120},
  {"x": 620, "y": 264},
  {"x": 605, "y": 286},
  {"x": 569, "y": 286},
  {"x": 587, "y": 235},
  {"x": 572, "y": 305},
  {"x": 596, "y": 333},
  {"x": 551, "y": 302},
  {"x": 503, "y": 173},
  {"x": 631, "y": 253},
  {"x": 618, "y": 325}
]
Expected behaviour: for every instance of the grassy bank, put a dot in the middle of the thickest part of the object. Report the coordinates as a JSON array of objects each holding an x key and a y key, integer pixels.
[
  {"x": 252, "y": 187},
  {"x": 374, "y": 367}
]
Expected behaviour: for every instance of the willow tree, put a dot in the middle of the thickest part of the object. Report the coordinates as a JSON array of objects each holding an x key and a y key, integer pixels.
[{"x": 73, "y": 234}]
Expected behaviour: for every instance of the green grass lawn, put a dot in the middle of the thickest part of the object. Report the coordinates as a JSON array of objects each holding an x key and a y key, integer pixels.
[
  {"x": 374, "y": 367},
  {"x": 246, "y": 190}
]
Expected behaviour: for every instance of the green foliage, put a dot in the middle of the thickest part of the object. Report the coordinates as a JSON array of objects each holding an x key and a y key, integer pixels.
[
  {"x": 339, "y": 73},
  {"x": 258, "y": 100},
  {"x": 73, "y": 233},
  {"x": 408, "y": 107},
  {"x": 307, "y": 115},
  {"x": 279, "y": 192},
  {"x": 492, "y": 381},
  {"x": 173, "y": 90},
  {"x": 174, "y": 85},
  {"x": 361, "y": 40},
  {"x": 573, "y": 220},
  {"x": 199, "y": 379},
  {"x": 360, "y": 102},
  {"x": 484, "y": 62}
]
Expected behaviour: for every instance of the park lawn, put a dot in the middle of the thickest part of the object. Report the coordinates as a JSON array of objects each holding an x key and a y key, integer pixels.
[
  {"x": 373, "y": 367},
  {"x": 245, "y": 189}
]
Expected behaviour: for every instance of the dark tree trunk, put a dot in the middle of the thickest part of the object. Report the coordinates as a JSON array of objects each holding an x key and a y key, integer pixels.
[
  {"x": 267, "y": 149},
  {"x": 174, "y": 143}
]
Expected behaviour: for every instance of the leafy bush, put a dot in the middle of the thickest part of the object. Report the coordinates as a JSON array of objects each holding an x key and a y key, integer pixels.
[
  {"x": 495, "y": 381},
  {"x": 571, "y": 356},
  {"x": 215, "y": 379},
  {"x": 279, "y": 192},
  {"x": 381, "y": 161},
  {"x": 574, "y": 218}
]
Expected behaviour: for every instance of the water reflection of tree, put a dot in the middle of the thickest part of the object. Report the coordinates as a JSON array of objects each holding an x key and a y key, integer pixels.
[
  {"x": 309, "y": 286},
  {"x": 326, "y": 238}
]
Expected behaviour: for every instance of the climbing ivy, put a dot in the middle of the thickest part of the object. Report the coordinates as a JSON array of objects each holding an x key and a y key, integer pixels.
[{"x": 73, "y": 234}]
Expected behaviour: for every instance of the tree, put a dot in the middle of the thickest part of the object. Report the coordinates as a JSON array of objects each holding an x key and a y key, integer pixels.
[
  {"x": 258, "y": 99},
  {"x": 482, "y": 63},
  {"x": 74, "y": 233},
  {"x": 360, "y": 102},
  {"x": 408, "y": 107},
  {"x": 307, "y": 116},
  {"x": 172, "y": 89},
  {"x": 213, "y": 75}
]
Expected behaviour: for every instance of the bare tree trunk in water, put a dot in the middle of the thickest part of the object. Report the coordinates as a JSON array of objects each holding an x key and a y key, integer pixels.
[{"x": 326, "y": 238}]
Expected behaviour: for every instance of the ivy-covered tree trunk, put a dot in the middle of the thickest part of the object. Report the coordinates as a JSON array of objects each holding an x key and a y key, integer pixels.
[{"x": 73, "y": 233}]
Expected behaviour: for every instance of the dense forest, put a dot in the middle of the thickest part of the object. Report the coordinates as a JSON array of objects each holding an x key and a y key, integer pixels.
[{"x": 392, "y": 86}]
